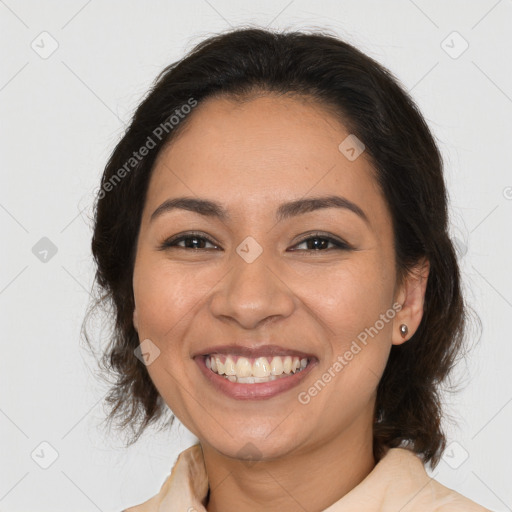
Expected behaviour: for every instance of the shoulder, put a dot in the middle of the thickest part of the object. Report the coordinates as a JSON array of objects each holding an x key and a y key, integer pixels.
[
  {"x": 150, "y": 505},
  {"x": 409, "y": 480},
  {"x": 186, "y": 485},
  {"x": 449, "y": 500}
]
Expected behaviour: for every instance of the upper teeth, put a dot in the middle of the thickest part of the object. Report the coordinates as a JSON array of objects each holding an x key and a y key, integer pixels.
[{"x": 261, "y": 367}]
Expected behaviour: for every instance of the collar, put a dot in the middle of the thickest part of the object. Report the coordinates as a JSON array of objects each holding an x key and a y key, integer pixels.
[{"x": 397, "y": 482}]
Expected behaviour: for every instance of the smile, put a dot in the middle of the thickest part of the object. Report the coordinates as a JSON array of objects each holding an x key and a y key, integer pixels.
[
  {"x": 254, "y": 370},
  {"x": 246, "y": 378}
]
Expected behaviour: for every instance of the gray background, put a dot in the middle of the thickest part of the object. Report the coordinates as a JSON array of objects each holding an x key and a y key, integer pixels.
[{"x": 63, "y": 112}]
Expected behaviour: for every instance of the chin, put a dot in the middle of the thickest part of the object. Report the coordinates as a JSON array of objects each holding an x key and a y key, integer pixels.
[{"x": 253, "y": 448}]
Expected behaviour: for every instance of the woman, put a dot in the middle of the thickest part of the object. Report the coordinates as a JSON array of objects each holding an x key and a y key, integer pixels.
[{"x": 272, "y": 234}]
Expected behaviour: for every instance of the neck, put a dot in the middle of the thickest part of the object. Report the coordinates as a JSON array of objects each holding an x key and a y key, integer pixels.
[{"x": 311, "y": 478}]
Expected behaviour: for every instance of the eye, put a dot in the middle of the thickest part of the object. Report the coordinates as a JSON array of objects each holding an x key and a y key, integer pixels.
[
  {"x": 194, "y": 241},
  {"x": 318, "y": 242}
]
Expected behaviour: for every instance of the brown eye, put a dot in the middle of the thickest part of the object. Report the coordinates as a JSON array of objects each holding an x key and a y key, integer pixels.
[
  {"x": 188, "y": 241},
  {"x": 321, "y": 243}
]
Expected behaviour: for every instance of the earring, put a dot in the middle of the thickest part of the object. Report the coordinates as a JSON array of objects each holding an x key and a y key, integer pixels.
[{"x": 404, "y": 330}]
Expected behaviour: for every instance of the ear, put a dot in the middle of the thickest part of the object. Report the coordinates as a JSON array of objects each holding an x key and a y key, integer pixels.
[
  {"x": 135, "y": 319},
  {"x": 411, "y": 296}
]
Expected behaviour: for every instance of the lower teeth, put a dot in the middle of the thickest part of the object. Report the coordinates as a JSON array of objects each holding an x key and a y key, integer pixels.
[{"x": 257, "y": 380}]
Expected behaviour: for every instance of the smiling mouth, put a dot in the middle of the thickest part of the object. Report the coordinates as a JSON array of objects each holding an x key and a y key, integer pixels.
[{"x": 245, "y": 370}]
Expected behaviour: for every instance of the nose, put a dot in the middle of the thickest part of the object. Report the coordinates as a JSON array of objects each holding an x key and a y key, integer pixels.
[{"x": 251, "y": 294}]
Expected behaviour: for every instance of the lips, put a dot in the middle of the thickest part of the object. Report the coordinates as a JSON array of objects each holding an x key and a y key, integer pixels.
[{"x": 254, "y": 390}]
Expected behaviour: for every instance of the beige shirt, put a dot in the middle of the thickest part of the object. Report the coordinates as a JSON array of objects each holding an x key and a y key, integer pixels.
[{"x": 398, "y": 483}]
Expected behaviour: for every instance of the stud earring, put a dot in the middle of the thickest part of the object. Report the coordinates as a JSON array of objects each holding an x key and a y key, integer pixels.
[{"x": 404, "y": 330}]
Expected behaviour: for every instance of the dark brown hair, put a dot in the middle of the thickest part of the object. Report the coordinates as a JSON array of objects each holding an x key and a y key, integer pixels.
[{"x": 373, "y": 106}]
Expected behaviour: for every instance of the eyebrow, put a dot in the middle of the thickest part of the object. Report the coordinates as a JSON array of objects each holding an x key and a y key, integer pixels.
[{"x": 213, "y": 209}]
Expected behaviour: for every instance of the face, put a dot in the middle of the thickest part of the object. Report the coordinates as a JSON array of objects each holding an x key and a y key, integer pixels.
[{"x": 312, "y": 281}]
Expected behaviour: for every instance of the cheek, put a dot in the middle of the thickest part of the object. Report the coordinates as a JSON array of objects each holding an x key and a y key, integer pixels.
[
  {"x": 354, "y": 302},
  {"x": 164, "y": 296},
  {"x": 351, "y": 297}
]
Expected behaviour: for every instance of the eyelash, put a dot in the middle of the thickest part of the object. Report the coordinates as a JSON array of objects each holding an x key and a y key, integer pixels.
[{"x": 170, "y": 242}]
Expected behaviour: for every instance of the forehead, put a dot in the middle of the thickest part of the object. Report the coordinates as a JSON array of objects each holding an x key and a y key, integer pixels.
[{"x": 261, "y": 152}]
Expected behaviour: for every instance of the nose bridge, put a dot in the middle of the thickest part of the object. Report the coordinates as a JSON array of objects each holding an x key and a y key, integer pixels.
[{"x": 251, "y": 291}]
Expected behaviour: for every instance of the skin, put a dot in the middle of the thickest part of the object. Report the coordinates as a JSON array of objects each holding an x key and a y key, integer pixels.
[{"x": 251, "y": 156}]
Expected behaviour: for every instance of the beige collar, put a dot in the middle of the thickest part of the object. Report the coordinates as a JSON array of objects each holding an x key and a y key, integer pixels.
[{"x": 398, "y": 482}]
